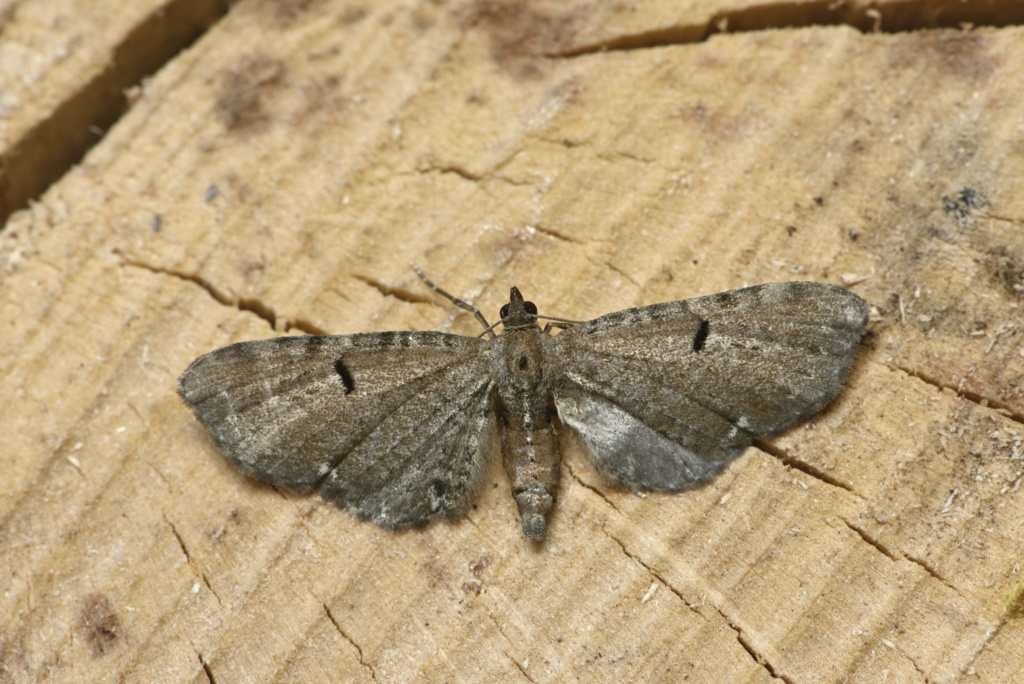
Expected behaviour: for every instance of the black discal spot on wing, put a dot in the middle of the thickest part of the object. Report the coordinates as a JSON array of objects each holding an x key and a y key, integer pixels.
[
  {"x": 702, "y": 335},
  {"x": 523, "y": 362},
  {"x": 346, "y": 376}
]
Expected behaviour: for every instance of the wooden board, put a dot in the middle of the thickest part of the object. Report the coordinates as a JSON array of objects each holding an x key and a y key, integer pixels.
[
  {"x": 279, "y": 177},
  {"x": 66, "y": 71}
]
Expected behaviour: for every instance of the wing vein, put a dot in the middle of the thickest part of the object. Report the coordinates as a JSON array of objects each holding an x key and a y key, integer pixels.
[{"x": 374, "y": 427}]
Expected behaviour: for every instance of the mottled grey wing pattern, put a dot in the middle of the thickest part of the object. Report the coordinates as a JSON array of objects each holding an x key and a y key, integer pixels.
[
  {"x": 711, "y": 374},
  {"x": 359, "y": 418}
]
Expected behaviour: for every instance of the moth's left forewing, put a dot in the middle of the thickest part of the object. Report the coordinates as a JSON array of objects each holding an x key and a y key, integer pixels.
[{"x": 706, "y": 375}]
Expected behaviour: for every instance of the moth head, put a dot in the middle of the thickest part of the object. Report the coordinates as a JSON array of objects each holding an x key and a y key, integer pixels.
[{"x": 518, "y": 313}]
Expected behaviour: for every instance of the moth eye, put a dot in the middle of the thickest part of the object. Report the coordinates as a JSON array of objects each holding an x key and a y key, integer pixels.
[
  {"x": 504, "y": 312},
  {"x": 530, "y": 307}
]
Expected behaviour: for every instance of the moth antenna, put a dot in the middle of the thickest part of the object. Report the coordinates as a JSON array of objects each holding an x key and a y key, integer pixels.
[{"x": 488, "y": 328}]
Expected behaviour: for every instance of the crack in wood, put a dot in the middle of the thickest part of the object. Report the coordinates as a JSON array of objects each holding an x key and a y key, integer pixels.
[
  {"x": 985, "y": 402},
  {"x": 399, "y": 293},
  {"x": 744, "y": 643},
  {"x": 572, "y": 473},
  {"x": 900, "y": 556},
  {"x": 242, "y": 304},
  {"x": 346, "y": 637},
  {"x": 206, "y": 667},
  {"x": 519, "y": 666},
  {"x": 866, "y": 18},
  {"x": 804, "y": 467},
  {"x": 189, "y": 560},
  {"x": 247, "y": 304}
]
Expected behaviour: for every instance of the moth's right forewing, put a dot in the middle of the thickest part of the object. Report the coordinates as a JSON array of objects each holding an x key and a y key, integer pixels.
[{"x": 288, "y": 409}]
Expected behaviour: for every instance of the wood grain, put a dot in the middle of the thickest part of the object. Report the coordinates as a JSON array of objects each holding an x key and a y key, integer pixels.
[
  {"x": 67, "y": 71},
  {"x": 279, "y": 176}
]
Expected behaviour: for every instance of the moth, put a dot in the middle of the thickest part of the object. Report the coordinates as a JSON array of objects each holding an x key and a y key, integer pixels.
[{"x": 399, "y": 427}]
